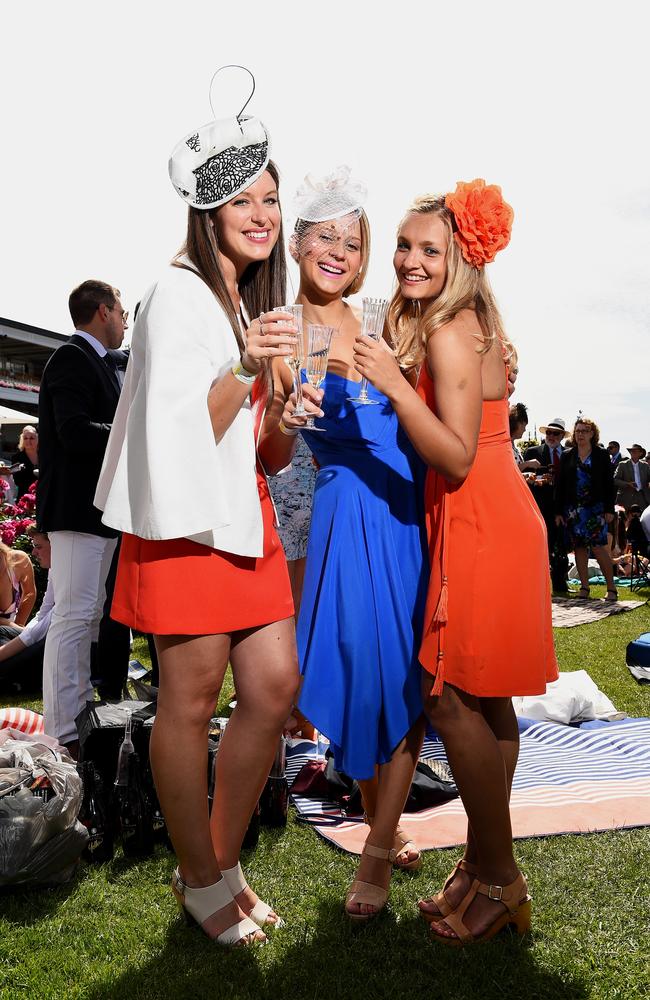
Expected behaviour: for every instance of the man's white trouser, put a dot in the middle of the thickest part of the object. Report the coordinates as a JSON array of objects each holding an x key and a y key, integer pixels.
[{"x": 80, "y": 564}]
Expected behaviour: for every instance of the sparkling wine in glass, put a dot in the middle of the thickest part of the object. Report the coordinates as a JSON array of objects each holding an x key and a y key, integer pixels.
[
  {"x": 319, "y": 339},
  {"x": 296, "y": 360},
  {"x": 372, "y": 325}
]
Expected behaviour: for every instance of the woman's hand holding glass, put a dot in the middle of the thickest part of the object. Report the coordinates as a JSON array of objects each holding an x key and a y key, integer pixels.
[
  {"x": 375, "y": 361},
  {"x": 311, "y": 398},
  {"x": 272, "y": 335}
]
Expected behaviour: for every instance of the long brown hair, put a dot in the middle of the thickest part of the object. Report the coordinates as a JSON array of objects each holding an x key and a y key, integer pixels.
[
  {"x": 465, "y": 287},
  {"x": 262, "y": 285}
]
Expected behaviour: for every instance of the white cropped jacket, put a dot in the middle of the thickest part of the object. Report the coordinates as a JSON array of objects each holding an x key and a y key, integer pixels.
[{"x": 164, "y": 476}]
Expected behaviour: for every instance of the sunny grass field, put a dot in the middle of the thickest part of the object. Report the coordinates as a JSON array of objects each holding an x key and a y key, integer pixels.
[{"x": 114, "y": 932}]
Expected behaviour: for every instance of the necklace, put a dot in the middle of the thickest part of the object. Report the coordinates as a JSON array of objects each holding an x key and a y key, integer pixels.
[{"x": 337, "y": 329}]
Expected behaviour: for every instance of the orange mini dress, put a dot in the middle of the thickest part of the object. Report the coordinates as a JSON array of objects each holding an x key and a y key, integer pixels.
[
  {"x": 180, "y": 587},
  {"x": 487, "y": 624}
]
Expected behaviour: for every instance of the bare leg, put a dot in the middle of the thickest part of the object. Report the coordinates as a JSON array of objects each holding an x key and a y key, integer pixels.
[
  {"x": 296, "y": 569},
  {"x": 605, "y": 562},
  {"x": 369, "y": 791},
  {"x": 394, "y": 783},
  {"x": 265, "y": 670},
  {"x": 479, "y": 768},
  {"x": 297, "y": 722},
  {"x": 191, "y": 674},
  {"x": 582, "y": 564},
  {"x": 500, "y": 717}
]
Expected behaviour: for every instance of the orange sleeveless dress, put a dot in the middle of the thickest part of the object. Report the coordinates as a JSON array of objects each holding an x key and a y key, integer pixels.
[{"x": 487, "y": 623}]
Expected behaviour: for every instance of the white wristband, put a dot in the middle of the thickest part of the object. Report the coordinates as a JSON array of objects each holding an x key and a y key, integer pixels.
[{"x": 243, "y": 376}]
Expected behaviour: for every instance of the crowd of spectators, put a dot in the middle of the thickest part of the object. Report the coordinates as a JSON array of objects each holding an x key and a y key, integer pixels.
[{"x": 593, "y": 499}]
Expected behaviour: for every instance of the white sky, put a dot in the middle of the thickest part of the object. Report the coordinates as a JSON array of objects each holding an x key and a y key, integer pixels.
[{"x": 547, "y": 100}]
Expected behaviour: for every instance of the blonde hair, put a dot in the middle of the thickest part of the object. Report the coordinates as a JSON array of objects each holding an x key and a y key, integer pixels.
[
  {"x": 302, "y": 228},
  {"x": 21, "y": 439},
  {"x": 465, "y": 287}
]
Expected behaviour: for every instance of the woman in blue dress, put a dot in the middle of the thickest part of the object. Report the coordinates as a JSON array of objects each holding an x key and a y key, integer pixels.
[{"x": 366, "y": 575}]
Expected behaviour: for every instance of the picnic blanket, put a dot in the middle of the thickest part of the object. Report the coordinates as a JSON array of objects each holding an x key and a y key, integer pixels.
[
  {"x": 568, "y": 780},
  {"x": 571, "y": 611}
]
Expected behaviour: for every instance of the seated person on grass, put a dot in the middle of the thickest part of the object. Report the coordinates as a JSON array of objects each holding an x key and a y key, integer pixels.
[{"x": 21, "y": 647}]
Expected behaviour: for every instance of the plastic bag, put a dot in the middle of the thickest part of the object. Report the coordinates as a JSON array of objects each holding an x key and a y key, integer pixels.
[{"x": 40, "y": 797}]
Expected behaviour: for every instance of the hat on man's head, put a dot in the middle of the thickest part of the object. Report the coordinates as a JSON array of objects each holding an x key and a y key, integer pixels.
[
  {"x": 556, "y": 424},
  {"x": 640, "y": 447},
  {"x": 219, "y": 160}
]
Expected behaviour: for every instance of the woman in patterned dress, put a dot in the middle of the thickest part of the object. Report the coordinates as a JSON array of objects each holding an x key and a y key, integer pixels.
[{"x": 584, "y": 501}]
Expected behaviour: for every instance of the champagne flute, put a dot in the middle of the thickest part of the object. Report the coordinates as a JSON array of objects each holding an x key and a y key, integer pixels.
[
  {"x": 296, "y": 359},
  {"x": 372, "y": 325},
  {"x": 319, "y": 339}
]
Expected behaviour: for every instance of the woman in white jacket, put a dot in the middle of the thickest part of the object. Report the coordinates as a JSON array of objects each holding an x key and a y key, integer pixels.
[{"x": 205, "y": 572}]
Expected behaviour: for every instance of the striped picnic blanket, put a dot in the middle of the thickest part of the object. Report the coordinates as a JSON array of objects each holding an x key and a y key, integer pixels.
[{"x": 568, "y": 780}]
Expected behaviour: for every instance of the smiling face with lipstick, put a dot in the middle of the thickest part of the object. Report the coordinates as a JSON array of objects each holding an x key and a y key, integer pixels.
[
  {"x": 332, "y": 254},
  {"x": 248, "y": 227}
]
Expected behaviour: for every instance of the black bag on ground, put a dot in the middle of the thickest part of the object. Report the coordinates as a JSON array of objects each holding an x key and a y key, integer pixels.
[{"x": 432, "y": 785}]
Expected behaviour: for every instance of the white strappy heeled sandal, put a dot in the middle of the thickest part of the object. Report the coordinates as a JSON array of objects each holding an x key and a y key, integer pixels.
[
  {"x": 261, "y": 911},
  {"x": 199, "y": 904}
]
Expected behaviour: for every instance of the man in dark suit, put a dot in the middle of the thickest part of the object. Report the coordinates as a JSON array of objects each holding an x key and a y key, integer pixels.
[
  {"x": 614, "y": 452},
  {"x": 632, "y": 479},
  {"x": 78, "y": 397},
  {"x": 548, "y": 456}
]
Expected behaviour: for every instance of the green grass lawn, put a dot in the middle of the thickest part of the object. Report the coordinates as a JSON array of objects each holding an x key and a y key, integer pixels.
[{"x": 114, "y": 932}]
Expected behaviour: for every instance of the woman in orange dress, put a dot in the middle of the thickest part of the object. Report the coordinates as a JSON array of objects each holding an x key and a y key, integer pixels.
[
  {"x": 201, "y": 565},
  {"x": 478, "y": 649}
]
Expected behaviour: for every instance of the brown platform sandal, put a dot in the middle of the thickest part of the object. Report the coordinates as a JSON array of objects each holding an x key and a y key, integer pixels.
[
  {"x": 440, "y": 899},
  {"x": 514, "y": 897},
  {"x": 402, "y": 845},
  {"x": 367, "y": 893},
  {"x": 614, "y": 596}
]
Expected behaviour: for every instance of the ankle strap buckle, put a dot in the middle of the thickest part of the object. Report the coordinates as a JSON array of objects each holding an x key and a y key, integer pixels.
[{"x": 493, "y": 889}]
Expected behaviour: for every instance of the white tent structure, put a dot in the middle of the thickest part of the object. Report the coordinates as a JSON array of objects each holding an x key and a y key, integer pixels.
[{"x": 9, "y": 416}]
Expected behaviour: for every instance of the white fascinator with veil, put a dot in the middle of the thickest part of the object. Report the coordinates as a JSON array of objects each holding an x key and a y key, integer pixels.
[
  {"x": 321, "y": 199},
  {"x": 215, "y": 162}
]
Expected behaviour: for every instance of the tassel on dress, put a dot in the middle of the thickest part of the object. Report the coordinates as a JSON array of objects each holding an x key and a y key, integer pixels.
[{"x": 440, "y": 614}]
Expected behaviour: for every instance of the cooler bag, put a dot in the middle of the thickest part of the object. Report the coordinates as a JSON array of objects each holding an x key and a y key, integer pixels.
[{"x": 637, "y": 653}]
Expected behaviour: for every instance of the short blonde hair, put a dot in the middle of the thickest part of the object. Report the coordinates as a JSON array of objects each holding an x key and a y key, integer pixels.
[{"x": 21, "y": 439}]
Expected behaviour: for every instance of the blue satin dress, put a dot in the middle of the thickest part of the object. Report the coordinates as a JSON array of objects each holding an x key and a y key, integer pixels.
[{"x": 366, "y": 577}]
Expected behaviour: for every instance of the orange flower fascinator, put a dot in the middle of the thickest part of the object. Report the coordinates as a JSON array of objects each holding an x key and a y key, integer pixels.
[{"x": 483, "y": 220}]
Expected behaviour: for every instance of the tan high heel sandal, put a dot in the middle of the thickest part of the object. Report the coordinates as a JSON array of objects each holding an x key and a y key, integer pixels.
[
  {"x": 440, "y": 899},
  {"x": 517, "y": 911},
  {"x": 261, "y": 911},
  {"x": 367, "y": 893},
  {"x": 199, "y": 904},
  {"x": 402, "y": 846}
]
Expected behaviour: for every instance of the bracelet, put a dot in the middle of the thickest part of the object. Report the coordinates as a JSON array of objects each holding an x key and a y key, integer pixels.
[
  {"x": 290, "y": 432},
  {"x": 243, "y": 376}
]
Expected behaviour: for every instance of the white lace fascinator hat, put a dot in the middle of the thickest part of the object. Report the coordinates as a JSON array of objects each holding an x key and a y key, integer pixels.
[
  {"x": 331, "y": 197},
  {"x": 215, "y": 162}
]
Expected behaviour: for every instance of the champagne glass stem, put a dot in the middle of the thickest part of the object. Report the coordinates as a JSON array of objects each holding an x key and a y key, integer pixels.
[{"x": 300, "y": 405}]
